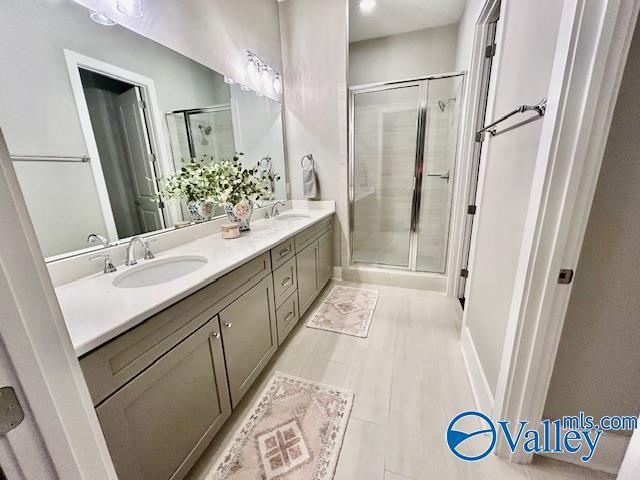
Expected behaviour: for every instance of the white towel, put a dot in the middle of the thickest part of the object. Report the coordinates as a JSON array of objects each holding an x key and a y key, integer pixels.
[{"x": 309, "y": 180}]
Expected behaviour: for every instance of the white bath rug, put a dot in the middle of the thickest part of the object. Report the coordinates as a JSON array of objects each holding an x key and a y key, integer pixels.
[{"x": 347, "y": 310}]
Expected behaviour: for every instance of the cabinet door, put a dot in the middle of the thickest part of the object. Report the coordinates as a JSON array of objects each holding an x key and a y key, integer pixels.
[
  {"x": 249, "y": 336},
  {"x": 307, "y": 267},
  {"x": 325, "y": 258},
  {"x": 159, "y": 423}
]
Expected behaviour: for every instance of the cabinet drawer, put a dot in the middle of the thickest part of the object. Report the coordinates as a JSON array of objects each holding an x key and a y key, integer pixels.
[
  {"x": 281, "y": 253},
  {"x": 284, "y": 281},
  {"x": 287, "y": 317},
  {"x": 307, "y": 236},
  {"x": 115, "y": 363},
  {"x": 159, "y": 423}
]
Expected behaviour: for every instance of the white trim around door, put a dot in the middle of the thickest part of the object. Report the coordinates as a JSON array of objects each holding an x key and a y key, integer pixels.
[
  {"x": 592, "y": 48},
  {"x": 159, "y": 140},
  {"x": 35, "y": 341}
]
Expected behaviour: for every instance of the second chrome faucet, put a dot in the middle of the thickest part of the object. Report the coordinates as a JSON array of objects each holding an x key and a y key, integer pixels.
[{"x": 131, "y": 254}]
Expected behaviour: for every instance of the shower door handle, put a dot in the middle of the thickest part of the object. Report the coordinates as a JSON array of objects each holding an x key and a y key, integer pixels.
[{"x": 442, "y": 176}]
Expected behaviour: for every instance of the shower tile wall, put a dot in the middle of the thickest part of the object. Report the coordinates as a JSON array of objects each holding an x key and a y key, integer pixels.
[
  {"x": 386, "y": 147},
  {"x": 219, "y": 143},
  {"x": 440, "y": 154}
]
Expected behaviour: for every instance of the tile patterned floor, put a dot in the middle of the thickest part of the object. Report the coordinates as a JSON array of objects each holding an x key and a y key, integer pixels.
[{"x": 409, "y": 381}]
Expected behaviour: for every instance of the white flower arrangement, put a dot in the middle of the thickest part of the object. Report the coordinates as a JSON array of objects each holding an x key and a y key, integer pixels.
[{"x": 225, "y": 182}]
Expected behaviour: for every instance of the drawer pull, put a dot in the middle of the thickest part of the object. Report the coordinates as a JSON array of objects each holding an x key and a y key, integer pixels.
[
  {"x": 215, "y": 335},
  {"x": 283, "y": 252},
  {"x": 289, "y": 317},
  {"x": 228, "y": 324},
  {"x": 286, "y": 281}
]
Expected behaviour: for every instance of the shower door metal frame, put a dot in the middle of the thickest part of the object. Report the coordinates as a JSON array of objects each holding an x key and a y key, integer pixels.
[{"x": 423, "y": 96}]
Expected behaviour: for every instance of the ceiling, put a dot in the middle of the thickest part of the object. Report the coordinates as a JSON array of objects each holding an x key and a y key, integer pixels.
[{"x": 390, "y": 17}]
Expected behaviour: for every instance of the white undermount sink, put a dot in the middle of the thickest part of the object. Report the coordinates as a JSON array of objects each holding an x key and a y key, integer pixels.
[
  {"x": 292, "y": 216},
  {"x": 159, "y": 271}
]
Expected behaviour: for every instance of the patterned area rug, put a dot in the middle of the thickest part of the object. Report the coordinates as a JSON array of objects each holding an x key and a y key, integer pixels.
[
  {"x": 347, "y": 310},
  {"x": 294, "y": 431}
]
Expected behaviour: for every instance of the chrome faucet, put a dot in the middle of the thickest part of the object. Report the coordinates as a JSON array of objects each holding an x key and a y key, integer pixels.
[
  {"x": 108, "y": 266},
  {"x": 131, "y": 254},
  {"x": 274, "y": 208},
  {"x": 95, "y": 238}
]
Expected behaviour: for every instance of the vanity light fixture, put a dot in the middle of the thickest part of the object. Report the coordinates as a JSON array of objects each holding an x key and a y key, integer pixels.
[
  {"x": 266, "y": 78},
  {"x": 367, "y": 5},
  {"x": 259, "y": 70},
  {"x": 101, "y": 19},
  {"x": 131, "y": 8},
  {"x": 253, "y": 69},
  {"x": 277, "y": 83},
  {"x": 229, "y": 80}
]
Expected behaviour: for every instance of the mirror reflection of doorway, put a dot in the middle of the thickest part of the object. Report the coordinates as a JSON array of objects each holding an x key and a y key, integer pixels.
[{"x": 119, "y": 125}]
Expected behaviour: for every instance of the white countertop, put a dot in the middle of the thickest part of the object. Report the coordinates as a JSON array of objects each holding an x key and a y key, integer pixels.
[{"x": 95, "y": 311}]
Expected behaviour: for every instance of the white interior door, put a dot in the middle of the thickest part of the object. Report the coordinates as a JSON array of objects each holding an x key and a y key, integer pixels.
[
  {"x": 139, "y": 152},
  {"x": 60, "y": 435}
]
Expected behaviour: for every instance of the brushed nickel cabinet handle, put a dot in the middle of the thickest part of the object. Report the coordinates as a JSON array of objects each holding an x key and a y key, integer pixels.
[
  {"x": 286, "y": 281},
  {"x": 228, "y": 324},
  {"x": 289, "y": 317},
  {"x": 215, "y": 335},
  {"x": 283, "y": 252}
]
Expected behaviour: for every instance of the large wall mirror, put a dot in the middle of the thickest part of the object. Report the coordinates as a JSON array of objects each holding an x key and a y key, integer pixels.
[{"x": 96, "y": 116}]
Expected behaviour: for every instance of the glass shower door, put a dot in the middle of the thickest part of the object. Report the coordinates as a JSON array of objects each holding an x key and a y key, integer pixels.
[
  {"x": 385, "y": 129},
  {"x": 436, "y": 191}
]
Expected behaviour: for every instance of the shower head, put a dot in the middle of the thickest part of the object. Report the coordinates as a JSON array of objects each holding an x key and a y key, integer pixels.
[{"x": 205, "y": 131}]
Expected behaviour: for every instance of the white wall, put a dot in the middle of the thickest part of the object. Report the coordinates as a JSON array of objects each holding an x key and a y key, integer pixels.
[
  {"x": 466, "y": 31},
  {"x": 599, "y": 353},
  {"x": 259, "y": 132},
  {"x": 526, "y": 52},
  {"x": 403, "y": 56},
  {"x": 314, "y": 57}
]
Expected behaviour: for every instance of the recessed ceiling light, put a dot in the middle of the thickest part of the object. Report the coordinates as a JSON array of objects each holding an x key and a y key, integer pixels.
[
  {"x": 367, "y": 5},
  {"x": 101, "y": 19}
]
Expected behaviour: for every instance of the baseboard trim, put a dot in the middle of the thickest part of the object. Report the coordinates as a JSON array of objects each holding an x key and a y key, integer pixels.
[
  {"x": 477, "y": 379},
  {"x": 393, "y": 277},
  {"x": 607, "y": 457},
  {"x": 337, "y": 273}
]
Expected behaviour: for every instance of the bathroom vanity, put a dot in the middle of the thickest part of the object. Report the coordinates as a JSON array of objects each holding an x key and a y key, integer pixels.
[{"x": 164, "y": 386}]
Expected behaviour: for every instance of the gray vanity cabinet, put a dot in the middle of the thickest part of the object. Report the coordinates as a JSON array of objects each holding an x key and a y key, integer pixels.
[
  {"x": 158, "y": 424},
  {"x": 325, "y": 254},
  {"x": 314, "y": 268},
  {"x": 249, "y": 336},
  {"x": 307, "y": 266},
  {"x": 163, "y": 389}
]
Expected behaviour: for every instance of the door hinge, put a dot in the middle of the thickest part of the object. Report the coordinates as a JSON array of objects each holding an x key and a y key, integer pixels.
[
  {"x": 479, "y": 137},
  {"x": 464, "y": 273},
  {"x": 152, "y": 157},
  {"x": 565, "y": 277},
  {"x": 471, "y": 209},
  {"x": 160, "y": 204},
  {"x": 142, "y": 105},
  {"x": 490, "y": 51},
  {"x": 11, "y": 414}
]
